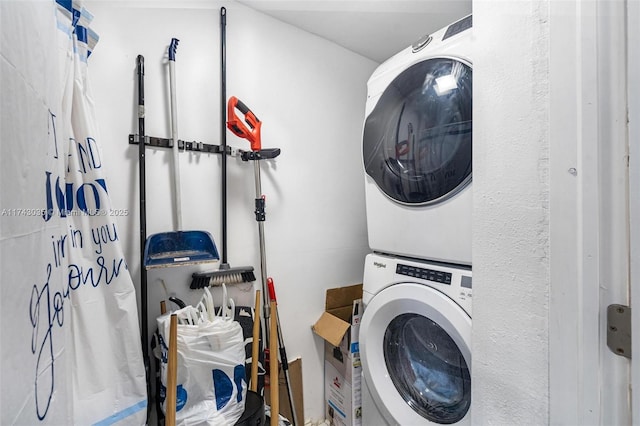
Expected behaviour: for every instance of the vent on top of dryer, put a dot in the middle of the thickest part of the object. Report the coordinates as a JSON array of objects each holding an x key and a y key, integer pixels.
[{"x": 458, "y": 27}]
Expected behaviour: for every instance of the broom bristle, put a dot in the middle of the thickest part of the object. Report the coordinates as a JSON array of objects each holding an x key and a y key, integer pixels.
[{"x": 222, "y": 276}]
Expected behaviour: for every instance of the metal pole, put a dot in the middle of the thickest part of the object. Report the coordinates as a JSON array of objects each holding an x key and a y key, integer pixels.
[
  {"x": 260, "y": 217},
  {"x": 223, "y": 132},
  {"x": 269, "y": 291},
  {"x": 144, "y": 323}
]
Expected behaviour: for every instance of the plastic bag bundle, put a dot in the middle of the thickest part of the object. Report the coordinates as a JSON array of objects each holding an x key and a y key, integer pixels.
[{"x": 211, "y": 377}]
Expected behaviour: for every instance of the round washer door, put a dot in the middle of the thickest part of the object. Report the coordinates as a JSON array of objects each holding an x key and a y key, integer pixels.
[
  {"x": 417, "y": 140},
  {"x": 416, "y": 359}
]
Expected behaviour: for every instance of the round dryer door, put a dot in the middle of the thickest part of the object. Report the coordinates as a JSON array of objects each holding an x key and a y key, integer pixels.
[
  {"x": 416, "y": 358},
  {"x": 417, "y": 140}
]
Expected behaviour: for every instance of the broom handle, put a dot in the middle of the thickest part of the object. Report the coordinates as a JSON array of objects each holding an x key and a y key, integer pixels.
[
  {"x": 174, "y": 131},
  {"x": 172, "y": 372},
  {"x": 255, "y": 346},
  {"x": 273, "y": 368}
]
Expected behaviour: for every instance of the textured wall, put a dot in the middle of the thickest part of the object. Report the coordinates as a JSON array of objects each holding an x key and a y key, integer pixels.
[{"x": 511, "y": 213}]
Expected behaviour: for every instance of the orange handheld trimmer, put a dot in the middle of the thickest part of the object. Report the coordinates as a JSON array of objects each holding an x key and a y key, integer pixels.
[
  {"x": 237, "y": 126},
  {"x": 251, "y": 132}
]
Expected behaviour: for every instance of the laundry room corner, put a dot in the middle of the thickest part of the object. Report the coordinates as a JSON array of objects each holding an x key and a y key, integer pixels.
[
  {"x": 307, "y": 92},
  {"x": 309, "y": 95}
]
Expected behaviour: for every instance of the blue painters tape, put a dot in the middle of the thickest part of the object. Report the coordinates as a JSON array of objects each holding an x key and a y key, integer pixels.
[
  {"x": 122, "y": 414},
  {"x": 355, "y": 347}
]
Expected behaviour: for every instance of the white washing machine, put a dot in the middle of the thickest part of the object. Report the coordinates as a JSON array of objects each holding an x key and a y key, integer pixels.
[
  {"x": 415, "y": 343},
  {"x": 417, "y": 147}
]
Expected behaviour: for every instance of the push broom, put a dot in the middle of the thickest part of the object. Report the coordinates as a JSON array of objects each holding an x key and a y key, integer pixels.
[{"x": 225, "y": 273}]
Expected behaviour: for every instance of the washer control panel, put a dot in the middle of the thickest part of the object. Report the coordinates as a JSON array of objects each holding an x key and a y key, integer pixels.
[
  {"x": 383, "y": 270},
  {"x": 424, "y": 273}
]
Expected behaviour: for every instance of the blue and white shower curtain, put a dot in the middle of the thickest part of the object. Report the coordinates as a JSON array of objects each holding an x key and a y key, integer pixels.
[{"x": 69, "y": 332}]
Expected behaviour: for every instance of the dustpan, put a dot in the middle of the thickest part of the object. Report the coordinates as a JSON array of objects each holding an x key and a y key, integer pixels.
[{"x": 179, "y": 248}]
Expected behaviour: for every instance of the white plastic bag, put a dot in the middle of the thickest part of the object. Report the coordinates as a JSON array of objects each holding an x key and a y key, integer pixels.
[{"x": 211, "y": 378}]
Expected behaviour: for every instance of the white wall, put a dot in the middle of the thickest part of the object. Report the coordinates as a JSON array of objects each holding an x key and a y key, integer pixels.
[
  {"x": 310, "y": 96},
  {"x": 633, "y": 67},
  {"x": 550, "y": 223},
  {"x": 589, "y": 212},
  {"x": 511, "y": 214}
]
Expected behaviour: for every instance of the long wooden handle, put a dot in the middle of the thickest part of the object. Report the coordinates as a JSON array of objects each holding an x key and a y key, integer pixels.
[
  {"x": 255, "y": 345},
  {"x": 172, "y": 373},
  {"x": 273, "y": 365}
]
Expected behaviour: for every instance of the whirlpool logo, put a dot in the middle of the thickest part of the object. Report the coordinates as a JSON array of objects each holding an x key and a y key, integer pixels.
[{"x": 379, "y": 265}]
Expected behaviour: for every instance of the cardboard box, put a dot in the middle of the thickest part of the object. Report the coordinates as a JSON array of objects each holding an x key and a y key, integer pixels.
[
  {"x": 339, "y": 325},
  {"x": 295, "y": 374}
]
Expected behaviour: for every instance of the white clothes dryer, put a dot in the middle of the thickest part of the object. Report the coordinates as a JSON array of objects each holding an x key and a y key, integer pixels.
[
  {"x": 416, "y": 149},
  {"x": 415, "y": 343}
]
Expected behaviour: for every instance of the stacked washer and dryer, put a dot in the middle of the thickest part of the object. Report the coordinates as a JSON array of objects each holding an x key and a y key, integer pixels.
[{"x": 415, "y": 334}]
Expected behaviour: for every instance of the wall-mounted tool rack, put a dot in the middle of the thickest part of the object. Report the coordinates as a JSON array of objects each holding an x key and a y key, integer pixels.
[
  {"x": 263, "y": 154},
  {"x": 184, "y": 145}
]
